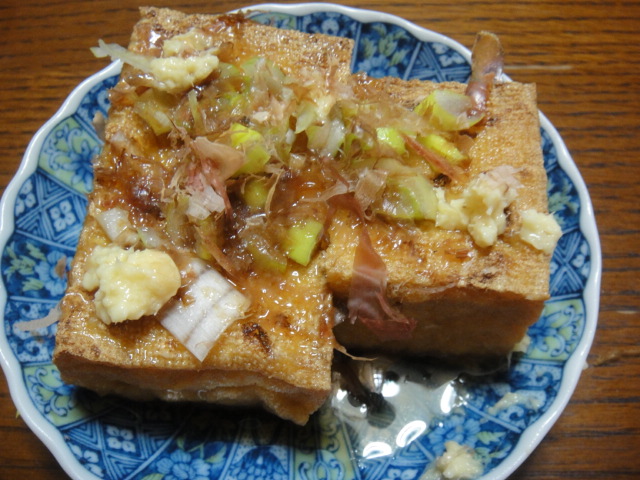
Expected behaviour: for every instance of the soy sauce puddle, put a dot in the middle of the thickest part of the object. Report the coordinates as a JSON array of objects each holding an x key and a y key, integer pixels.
[{"x": 388, "y": 403}]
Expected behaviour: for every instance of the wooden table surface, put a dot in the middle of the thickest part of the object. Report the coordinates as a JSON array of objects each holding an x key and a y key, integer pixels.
[{"x": 585, "y": 58}]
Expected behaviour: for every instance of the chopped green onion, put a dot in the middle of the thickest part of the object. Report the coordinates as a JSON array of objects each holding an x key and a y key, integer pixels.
[
  {"x": 154, "y": 107},
  {"x": 443, "y": 147},
  {"x": 448, "y": 110},
  {"x": 255, "y": 192},
  {"x": 302, "y": 239},
  {"x": 326, "y": 139},
  {"x": 252, "y": 142},
  {"x": 216, "y": 304},
  {"x": 265, "y": 259},
  {"x": 241, "y": 135},
  {"x": 410, "y": 198},
  {"x": 257, "y": 158},
  {"x": 393, "y": 138},
  {"x": 306, "y": 115}
]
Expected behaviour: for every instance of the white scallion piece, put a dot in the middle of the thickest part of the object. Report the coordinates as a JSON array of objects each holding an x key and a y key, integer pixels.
[
  {"x": 115, "y": 223},
  {"x": 212, "y": 304}
]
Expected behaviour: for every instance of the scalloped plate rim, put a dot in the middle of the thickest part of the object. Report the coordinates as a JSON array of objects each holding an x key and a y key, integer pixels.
[
  {"x": 45, "y": 431},
  {"x": 529, "y": 439}
]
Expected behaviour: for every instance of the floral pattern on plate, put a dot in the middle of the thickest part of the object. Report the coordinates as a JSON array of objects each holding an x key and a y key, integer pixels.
[{"x": 112, "y": 438}]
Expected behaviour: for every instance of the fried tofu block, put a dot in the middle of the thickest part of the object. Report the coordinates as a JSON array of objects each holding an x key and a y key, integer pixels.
[
  {"x": 279, "y": 355},
  {"x": 467, "y": 300}
]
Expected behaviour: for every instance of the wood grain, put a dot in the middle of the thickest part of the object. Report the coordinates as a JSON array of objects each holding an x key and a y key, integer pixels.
[{"x": 585, "y": 58}]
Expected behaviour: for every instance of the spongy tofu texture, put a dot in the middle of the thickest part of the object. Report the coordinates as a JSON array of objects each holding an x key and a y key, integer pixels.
[
  {"x": 279, "y": 357},
  {"x": 467, "y": 300}
]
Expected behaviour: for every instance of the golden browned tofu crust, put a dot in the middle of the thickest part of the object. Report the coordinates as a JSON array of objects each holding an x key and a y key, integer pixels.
[
  {"x": 468, "y": 301},
  {"x": 292, "y": 49},
  {"x": 279, "y": 356}
]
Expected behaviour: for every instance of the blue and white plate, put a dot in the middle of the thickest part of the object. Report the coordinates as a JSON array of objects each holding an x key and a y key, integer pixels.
[{"x": 111, "y": 438}]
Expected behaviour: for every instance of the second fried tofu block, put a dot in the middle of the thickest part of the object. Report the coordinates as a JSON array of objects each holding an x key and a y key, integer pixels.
[{"x": 467, "y": 300}]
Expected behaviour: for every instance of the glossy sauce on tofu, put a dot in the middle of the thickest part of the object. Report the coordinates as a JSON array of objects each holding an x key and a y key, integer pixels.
[{"x": 248, "y": 166}]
